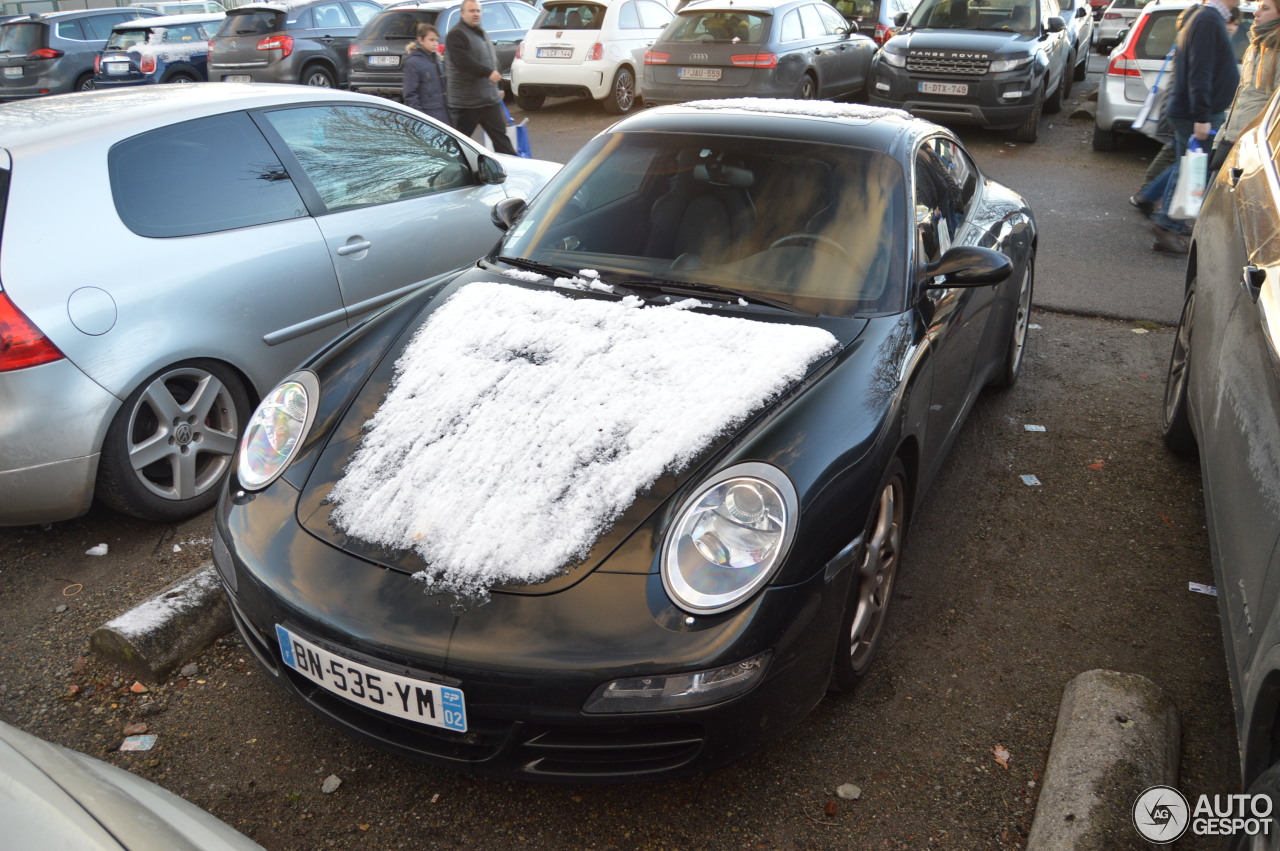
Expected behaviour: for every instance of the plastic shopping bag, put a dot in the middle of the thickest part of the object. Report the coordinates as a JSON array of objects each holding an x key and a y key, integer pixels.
[
  {"x": 517, "y": 134},
  {"x": 1188, "y": 193}
]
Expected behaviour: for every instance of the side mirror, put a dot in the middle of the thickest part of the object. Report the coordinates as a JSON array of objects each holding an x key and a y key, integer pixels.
[
  {"x": 900, "y": 19},
  {"x": 491, "y": 171},
  {"x": 507, "y": 212},
  {"x": 1055, "y": 24},
  {"x": 1081, "y": 12},
  {"x": 968, "y": 266}
]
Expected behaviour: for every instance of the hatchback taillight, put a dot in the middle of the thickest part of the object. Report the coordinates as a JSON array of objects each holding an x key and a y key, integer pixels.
[
  {"x": 97, "y": 64},
  {"x": 21, "y": 343},
  {"x": 1124, "y": 63},
  {"x": 520, "y": 50},
  {"x": 147, "y": 64},
  {"x": 755, "y": 60},
  {"x": 882, "y": 34},
  {"x": 210, "y": 49},
  {"x": 654, "y": 57},
  {"x": 597, "y": 52},
  {"x": 282, "y": 43},
  {"x": 44, "y": 53},
  {"x": 353, "y": 50}
]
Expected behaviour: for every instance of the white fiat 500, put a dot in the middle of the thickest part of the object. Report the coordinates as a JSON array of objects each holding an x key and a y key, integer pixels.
[{"x": 588, "y": 49}]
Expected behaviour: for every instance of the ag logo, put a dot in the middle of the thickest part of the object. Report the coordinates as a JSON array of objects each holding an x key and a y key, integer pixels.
[{"x": 1161, "y": 814}]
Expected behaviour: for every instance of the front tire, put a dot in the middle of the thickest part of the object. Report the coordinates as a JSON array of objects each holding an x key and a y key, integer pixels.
[
  {"x": 1176, "y": 423},
  {"x": 621, "y": 98},
  {"x": 1082, "y": 67},
  {"x": 1029, "y": 130},
  {"x": 317, "y": 76},
  {"x": 1017, "y": 349},
  {"x": 871, "y": 589},
  {"x": 169, "y": 448},
  {"x": 1053, "y": 103}
]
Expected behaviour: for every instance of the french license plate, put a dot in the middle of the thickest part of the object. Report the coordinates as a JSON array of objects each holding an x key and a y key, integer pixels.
[
  {"x": 14, "y": 71},
  {"x": 555, "y": 53},
  {"x": 116, "y": 67},
  {"x": 382, "y": 691},
  {"x": 237, "y": 78},
  {"x": 384, "y": 61},
  {"x": 945, "y": 88},
  {"x": 708, "y": 74}
]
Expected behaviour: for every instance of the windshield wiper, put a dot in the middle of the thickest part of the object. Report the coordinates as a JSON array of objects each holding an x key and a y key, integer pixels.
[
  {"x": 535, "y": 266},
  {"x": 696, "y": 289}
]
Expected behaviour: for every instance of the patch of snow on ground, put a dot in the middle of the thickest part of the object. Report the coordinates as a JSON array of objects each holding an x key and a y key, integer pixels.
[
  {"x": 814, "y": 108},
  {"x": 521, "y": 423}
]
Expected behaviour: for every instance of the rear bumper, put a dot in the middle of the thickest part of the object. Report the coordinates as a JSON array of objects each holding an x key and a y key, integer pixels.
[
  {"x": 1115, "y": 111},
  {"x": 561, "y": 80}
]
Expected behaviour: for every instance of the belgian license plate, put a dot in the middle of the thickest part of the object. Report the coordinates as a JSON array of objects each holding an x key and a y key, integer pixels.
[
  {"x": 384, "y": 61},
  {"x": 14, "y": 71},
  {"x": 555, "y": 53},
  {"x": 944, "y": 88},
  {"x": 237, "y": 78},
  {"x": 382, "y": 691},
  {"x": 116, "y": 67},
  {"x": 708, "y": 74}
]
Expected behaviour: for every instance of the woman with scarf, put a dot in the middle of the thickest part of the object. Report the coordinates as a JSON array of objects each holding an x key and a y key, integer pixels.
[
  {"x": 424, "y": 84},
  {"x": 1259, "y": 77}
]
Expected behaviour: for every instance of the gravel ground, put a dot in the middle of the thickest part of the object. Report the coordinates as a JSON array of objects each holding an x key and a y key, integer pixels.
[{"x": 1009, "y": 591}]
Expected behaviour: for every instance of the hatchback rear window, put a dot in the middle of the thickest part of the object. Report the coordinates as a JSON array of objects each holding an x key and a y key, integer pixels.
[
  {"x": 253, "y": 22},
  {"x": 720, "y": 25},
  {"x": 400, "y": 24},
  {"x": 571, "y": 16},
  {"x": 201, "y": 176},
  {"x": 1162, "y": 28},
  {"x": 22, "y": 38}
]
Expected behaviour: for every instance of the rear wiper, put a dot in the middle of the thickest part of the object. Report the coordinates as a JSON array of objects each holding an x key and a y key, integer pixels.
[{"x": 692, "y": 289}]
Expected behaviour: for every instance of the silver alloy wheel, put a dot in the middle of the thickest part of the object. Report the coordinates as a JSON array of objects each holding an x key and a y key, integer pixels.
[
  {"x": 624, "y": 90},
  {"x": 1021, "y": 321},
  {"x": 876, "y": 574},
  {"x": 182, "y": 433}
]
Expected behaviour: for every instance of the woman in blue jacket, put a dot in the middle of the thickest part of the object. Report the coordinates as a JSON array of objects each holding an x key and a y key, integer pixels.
[{"x": 424, "y": 87}]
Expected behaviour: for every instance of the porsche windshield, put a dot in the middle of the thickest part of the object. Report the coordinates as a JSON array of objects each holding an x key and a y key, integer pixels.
[{"x": 816, "y": 227}]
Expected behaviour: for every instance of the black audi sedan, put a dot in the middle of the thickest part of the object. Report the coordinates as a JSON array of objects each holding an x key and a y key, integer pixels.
[{"x": 627, "y": 497}]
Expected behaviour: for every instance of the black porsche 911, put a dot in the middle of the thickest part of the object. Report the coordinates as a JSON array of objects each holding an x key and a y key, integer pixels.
[{"x": 627, "y": 497}]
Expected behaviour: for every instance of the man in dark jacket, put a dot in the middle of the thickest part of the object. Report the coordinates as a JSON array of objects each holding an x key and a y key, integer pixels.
[
  {"x": 1204, "y": 81},
  {"x": 474, "y": 96},
  {"x": 423, "y": 76}
]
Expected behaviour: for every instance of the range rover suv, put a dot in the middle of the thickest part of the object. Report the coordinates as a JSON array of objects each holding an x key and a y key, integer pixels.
[{"x": 996, "y": 63}]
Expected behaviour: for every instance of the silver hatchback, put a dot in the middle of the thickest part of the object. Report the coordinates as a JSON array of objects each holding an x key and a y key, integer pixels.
[{"x": 219, "y": 234}]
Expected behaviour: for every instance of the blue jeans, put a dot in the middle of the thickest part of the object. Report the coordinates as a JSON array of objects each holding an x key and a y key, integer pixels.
[
  {"x": 1182, "y": 130},
  {"x": 1154, "y": 191}
]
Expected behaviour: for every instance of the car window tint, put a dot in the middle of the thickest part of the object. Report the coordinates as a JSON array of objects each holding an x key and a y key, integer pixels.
[
  {"x": 360, "y": 156},
  {"x": 652, "y": 15},
  {"x": 99, "y": 26},
  {"x": 21, "y": 38},
  {"x": 959, "y": 169},
  {"x": 835, "y": 24},
  {"x": 201, "y": 176},
  {"x": 747, "y": 27},
  {"x": 397, "y": 24},
  {"x": 495, "y": 17},
  {"x": 572, "y": 16},
  {"x": 364, "y": 12},
  {"x": 524, "y": 14},
  {"x": 256, "y": 22},
  {"x": 70, "y": 30},
  {"x": 628, "y": 17},
  {"x": 814, "y": 25},
  {"x": 330, "y": 16},
  {"x": 792, "y": 30}
]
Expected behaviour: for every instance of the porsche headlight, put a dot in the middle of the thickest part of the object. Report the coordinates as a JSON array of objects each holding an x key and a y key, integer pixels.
[
  {"x": 276, "y": 430},
  {"x": 729, "y": 538}
]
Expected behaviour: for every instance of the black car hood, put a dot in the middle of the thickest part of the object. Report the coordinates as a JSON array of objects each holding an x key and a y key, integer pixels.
[
  {"x": 314, "y": 507},
  {"x": 987, "y": 42}
]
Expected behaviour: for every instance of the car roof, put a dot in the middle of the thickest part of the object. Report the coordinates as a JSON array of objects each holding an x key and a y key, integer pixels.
[
  {"x": 877, "y": 128},
  {"x": 734, "y": 6},
  {"x": 170, "y": 20},
  {"x": 55, "y": 16},
  {"x": 114, "y": 115}
]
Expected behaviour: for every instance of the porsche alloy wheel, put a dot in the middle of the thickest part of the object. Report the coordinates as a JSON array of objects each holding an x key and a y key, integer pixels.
[
  {"x": 1012, "y": 367},
  {"x": 1176, "y": 428},
  {"x": 169, "y": 448},
  {"x": 871, "y": 587}
]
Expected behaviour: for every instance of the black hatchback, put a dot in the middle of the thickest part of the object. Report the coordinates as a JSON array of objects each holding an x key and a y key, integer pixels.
[
  {"x": 376, "y": 58},
  {"x": 288, "y": 43}
]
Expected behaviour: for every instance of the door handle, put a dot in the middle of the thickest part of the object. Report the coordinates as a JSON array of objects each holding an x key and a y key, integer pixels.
[
  {"x": 1251, "y": 282},
  {"x": 354, "y": 247},
  {"x": 1234, "y": 174}
]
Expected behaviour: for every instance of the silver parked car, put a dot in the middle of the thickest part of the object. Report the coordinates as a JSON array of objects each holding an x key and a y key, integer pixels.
[
  {"x": 56, "y": 798},
  {"x": 1135, "y": 64},
  {"x": 219, "y": 234}
]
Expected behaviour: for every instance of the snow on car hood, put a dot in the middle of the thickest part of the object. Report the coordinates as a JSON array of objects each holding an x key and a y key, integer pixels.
[{"x": 521, "y": 423}]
